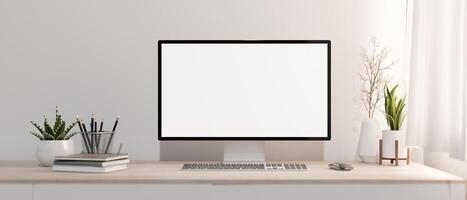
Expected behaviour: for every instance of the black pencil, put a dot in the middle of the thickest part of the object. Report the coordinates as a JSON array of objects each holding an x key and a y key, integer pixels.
[
  {"x": 92, "y": 123},
  {"x": 100, "y": 130},
  {"x": 87, "y": 137},
  {"x": 93, "y": 136},
  {"x": 115, "y": 125},
  {"x": 112, "y": 135},
  {"x": 82, "y": 134},
  {"x": 84, "y": 127},
  {"x": 79, "y": 124},
  {"x": 96, "y": 137},
  {"x": 102, "y": 125}
]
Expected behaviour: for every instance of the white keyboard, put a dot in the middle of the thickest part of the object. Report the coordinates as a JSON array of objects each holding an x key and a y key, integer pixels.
[{"x": 244, "y": 167}]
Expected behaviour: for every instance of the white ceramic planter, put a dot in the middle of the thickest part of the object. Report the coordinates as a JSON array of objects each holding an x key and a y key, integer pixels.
[
  {"x": 48, "y": 149},
  {"x": 389, "y": 139},
  {"x": 370, "y": 133}
]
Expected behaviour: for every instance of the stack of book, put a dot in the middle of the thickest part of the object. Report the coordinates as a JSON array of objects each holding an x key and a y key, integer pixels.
[{"x": 93, "y": 163}]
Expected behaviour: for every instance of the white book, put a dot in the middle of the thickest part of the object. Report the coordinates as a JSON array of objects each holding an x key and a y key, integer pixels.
[{"x": 70, "y": 168}]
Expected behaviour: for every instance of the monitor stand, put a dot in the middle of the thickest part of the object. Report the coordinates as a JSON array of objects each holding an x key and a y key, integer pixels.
[{"x": 244, "y": 152}]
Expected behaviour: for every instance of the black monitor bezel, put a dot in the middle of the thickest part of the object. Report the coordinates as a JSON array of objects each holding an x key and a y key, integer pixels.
[{"x": 159, "y": 62}]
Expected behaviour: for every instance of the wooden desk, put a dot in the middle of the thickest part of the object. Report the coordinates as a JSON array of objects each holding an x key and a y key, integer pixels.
[{"x": 149, "y": 180}]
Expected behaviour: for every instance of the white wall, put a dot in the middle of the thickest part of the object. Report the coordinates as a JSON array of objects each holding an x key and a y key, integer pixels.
[{"x": 100, "y": 56}]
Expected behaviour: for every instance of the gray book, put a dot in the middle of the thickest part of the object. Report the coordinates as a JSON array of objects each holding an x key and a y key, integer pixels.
[
  {"x": 93, "y": 157},
  {"x": 91, "y": 163}
]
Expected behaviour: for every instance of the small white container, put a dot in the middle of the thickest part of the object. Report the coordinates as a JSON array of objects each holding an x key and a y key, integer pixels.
[
  {"x": 47, "y": 150},
  {"x": 389, "y": 140}
]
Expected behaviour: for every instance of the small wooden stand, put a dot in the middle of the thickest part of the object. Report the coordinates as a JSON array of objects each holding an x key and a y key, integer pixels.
[{"x": 397, "y": 158}]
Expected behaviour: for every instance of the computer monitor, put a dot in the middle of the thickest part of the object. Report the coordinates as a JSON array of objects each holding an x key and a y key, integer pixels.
[{"x": 242, "y": 90}]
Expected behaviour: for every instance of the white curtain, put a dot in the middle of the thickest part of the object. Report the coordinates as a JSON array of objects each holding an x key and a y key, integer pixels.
[{"x": 437, "y": 107}]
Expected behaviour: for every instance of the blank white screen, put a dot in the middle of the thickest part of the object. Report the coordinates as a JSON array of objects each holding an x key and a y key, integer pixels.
[{"x": 244, "y": 90}]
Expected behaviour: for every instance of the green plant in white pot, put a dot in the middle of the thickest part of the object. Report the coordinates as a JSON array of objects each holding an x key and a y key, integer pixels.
[
  {"x": 53, "y": 140},
  {"x": 395, "y": 114}
]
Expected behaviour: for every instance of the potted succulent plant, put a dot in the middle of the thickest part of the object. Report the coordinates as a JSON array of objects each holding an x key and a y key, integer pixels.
[
  {"x": 54, "y": 140},
  {"x": 394, "y": 113}
]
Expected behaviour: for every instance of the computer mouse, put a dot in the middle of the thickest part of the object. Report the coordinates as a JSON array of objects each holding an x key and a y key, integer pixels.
[{"x": 340, "y": 166}]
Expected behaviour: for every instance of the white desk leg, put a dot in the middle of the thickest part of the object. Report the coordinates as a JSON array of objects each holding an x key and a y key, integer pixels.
[
  {"x": 16, "y": 191},
  {"x": 390, "y": 191},
  {"x": 457, "y": 191},
  {"x": 121, "y": 191}
]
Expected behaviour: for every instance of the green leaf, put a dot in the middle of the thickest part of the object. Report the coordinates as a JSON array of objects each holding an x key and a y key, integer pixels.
[
  {"x": 391, "y": 122},
  {"x": 37, "y": 135},
  {"x": 58, "y": 121},
  {"x": 400, "y": 110},
  {"x": 70, "y": 126},
  {"x": 71, "y": 135},
  {"x": 393, "y": 90},
  {"x": 60, "y": 130},
  {"x": 48, "y": 136},
  {"x": 390, "y": 105},
  {"x": 47, "y": 127},
  {"x": 61, "y": 136},
  {"x": 38, "y": 127}
]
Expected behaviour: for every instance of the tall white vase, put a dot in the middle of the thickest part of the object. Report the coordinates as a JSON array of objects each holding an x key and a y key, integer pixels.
[{"x": 370, "y": 133}]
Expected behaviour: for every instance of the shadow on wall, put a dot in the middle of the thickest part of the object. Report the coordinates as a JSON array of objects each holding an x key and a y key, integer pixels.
[{"x": 206, "y": 151}]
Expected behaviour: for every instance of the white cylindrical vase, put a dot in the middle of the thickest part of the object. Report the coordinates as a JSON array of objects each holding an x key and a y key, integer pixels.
[
  {"x": 389, "y": 144},
  {"x": 48, "y": 149},
  {"x": 370, "y": 133}
]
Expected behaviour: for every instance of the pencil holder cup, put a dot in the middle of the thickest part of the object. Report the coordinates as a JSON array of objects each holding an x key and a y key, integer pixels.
[{"x": 97, "y": 142}]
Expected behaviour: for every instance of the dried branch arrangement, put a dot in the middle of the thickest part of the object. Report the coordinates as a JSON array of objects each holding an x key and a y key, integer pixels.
[{"x": 374, "y": 65}]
